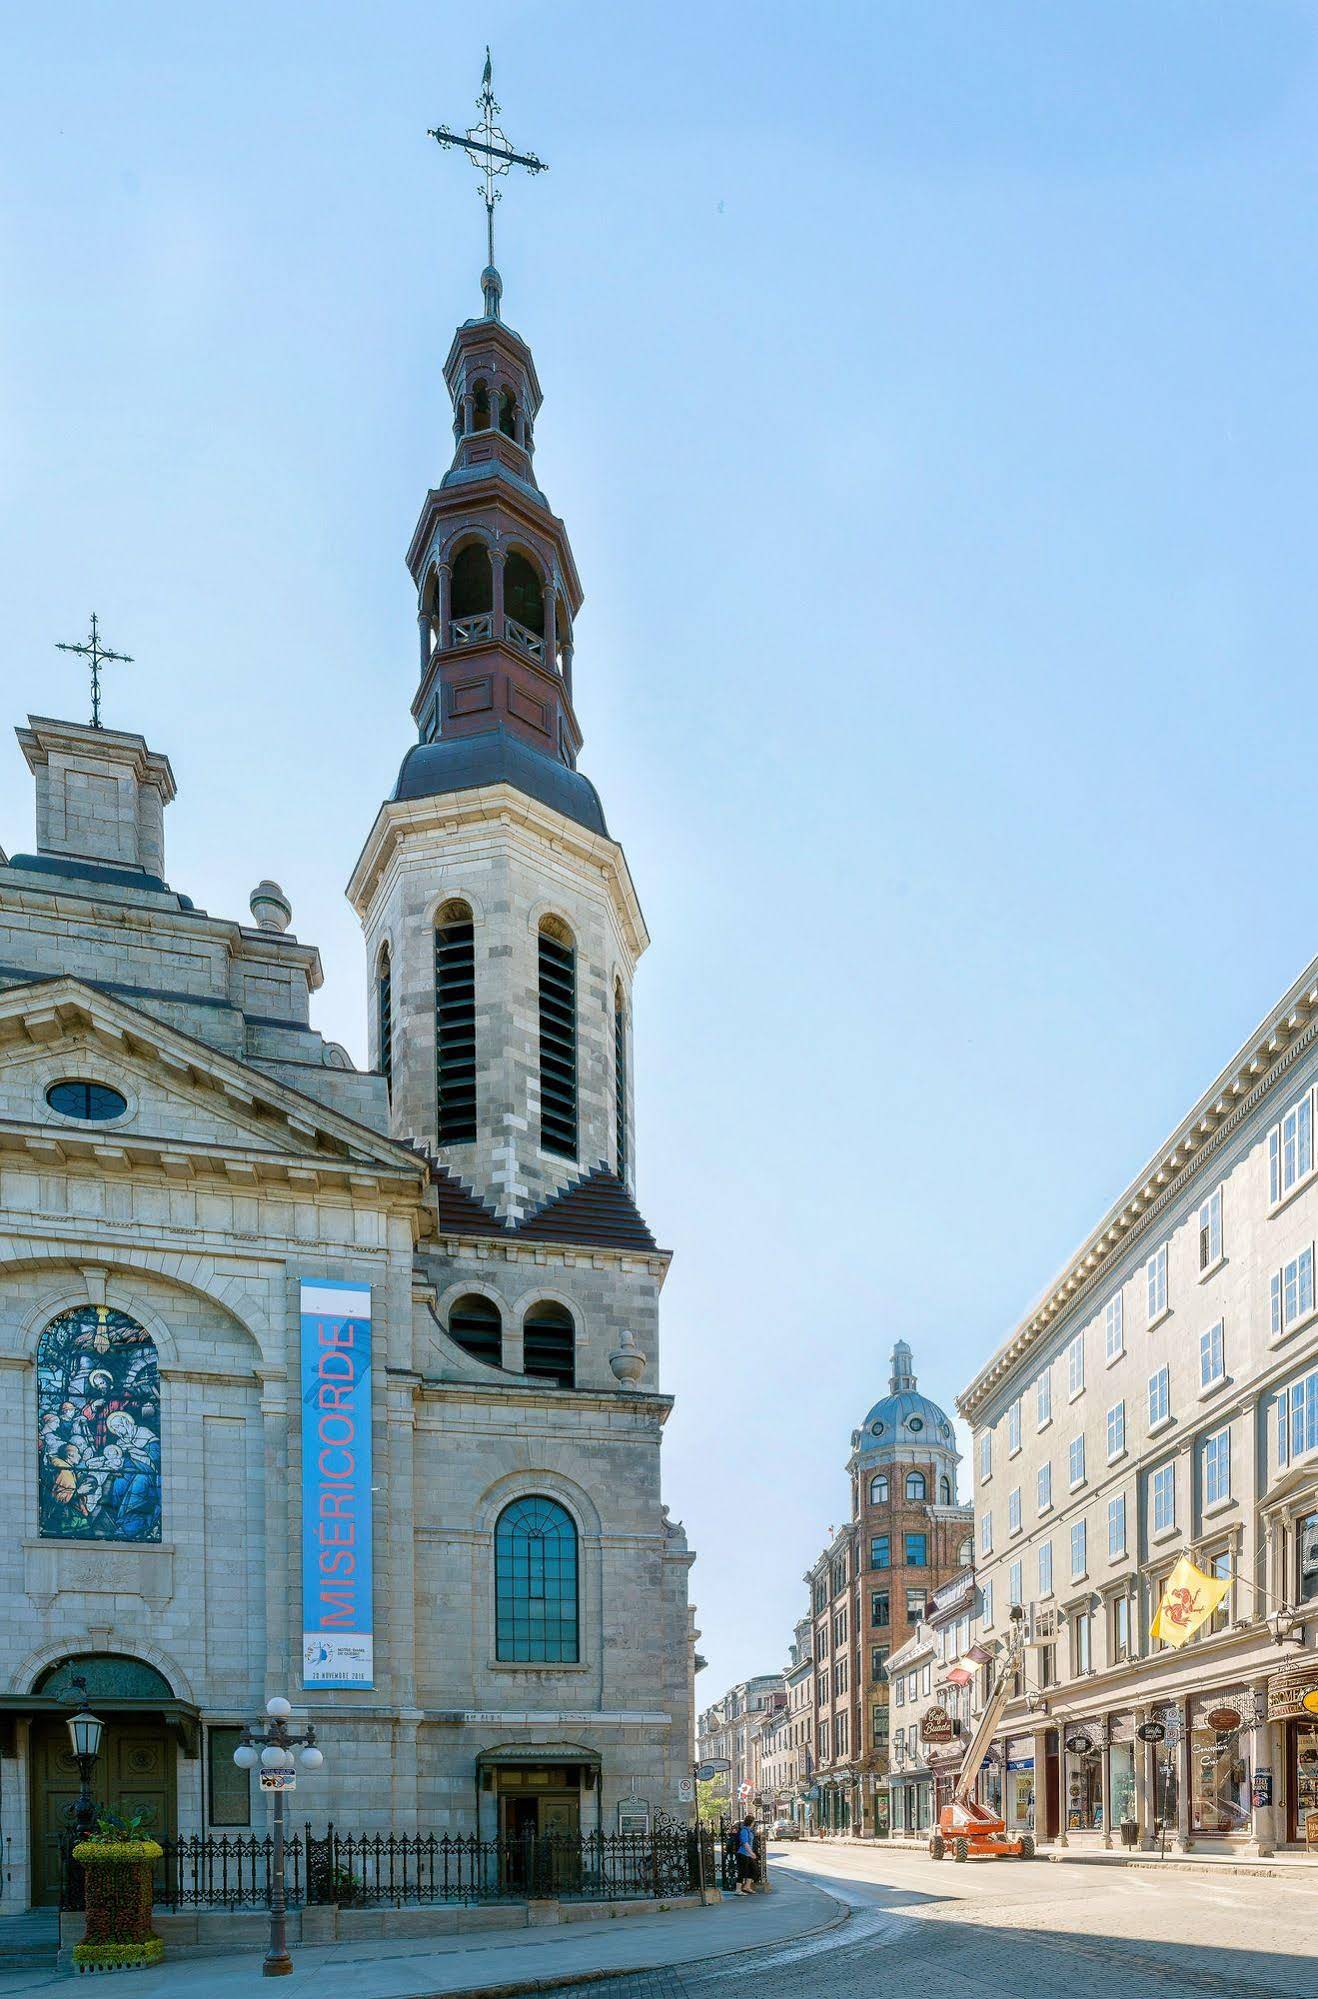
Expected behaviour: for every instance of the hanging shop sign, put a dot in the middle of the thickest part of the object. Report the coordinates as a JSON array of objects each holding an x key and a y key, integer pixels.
[
  {"x": 1151, "y": 1731},
  {"x": 1288, "y": 1690},
  {"x": 337, "y": 1613},
  {"x": 1225, "y": 1720},
  {"x": 1309, "y": 1701},
  {"x": 1079, "y": 1745},
  {"x": 936, "y": 1725}
]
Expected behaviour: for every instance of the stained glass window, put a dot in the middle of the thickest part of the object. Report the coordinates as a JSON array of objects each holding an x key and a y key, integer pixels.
[
  {"x": 535, "y": 1582},
  {"x": 98, "y": 1428}
]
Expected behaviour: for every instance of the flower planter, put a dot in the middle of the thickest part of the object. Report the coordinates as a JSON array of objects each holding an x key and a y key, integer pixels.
[{"x": 119, "y": 1935}]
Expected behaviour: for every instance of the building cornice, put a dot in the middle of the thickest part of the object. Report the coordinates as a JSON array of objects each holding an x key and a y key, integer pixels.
[{"x": 1261, "y": 1064}]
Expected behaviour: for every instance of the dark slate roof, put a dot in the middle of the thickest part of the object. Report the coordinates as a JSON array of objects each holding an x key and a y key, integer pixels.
[
  {"x": 460, "y": 1211},
  {"x": 93, "y": 872},
  {"x": 596, "y": 1211},
  {"x": 493, "y": 756}
]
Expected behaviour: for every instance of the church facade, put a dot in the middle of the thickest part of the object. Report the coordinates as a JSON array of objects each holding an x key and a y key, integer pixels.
[{"x": 332, "y": 1383}]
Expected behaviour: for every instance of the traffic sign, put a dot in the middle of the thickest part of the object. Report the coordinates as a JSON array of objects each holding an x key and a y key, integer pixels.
[
  {"x": 279, "y": 1780},
  {"x": 686, "y": 1790}
]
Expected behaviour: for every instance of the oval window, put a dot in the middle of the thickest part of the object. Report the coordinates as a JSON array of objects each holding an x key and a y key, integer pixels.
[
  {"x": 915, "y": 1422},
  {"x": 94, "y": 1102}
]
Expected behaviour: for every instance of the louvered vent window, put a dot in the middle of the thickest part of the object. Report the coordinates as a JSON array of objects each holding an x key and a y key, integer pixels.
[
  {"x": 474, "y": 1324},
  {"x": 385, "y": 1022},
  {"x": 620, "y": 1081},
  {"x": 558, "y": 1046},
  {"x": 549, "y": 1344},
  {"x": 455, "y": 1024}
]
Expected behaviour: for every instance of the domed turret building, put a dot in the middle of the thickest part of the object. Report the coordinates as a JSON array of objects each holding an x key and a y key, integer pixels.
[{"x": 907, "y": 1535}]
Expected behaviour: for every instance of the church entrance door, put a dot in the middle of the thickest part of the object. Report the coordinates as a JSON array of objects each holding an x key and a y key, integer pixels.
[{"x": 134, "y": 1771}]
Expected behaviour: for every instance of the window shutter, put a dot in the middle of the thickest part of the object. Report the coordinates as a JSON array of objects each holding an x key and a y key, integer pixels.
[
  {"x": 455, "y": 1029},
  {"x": 558, "y": 1047}
]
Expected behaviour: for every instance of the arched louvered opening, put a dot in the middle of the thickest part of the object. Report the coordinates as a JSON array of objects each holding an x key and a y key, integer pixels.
[
  {"x": 879, "y": 1489},
  {"x": 523, "y": 594},
  {"x": 549, "y": 1343},
  {"x": 915, "y": 1485},
  {"x": 384, "y": 1018},
  {"x": 480, "y": 407},
  {"x": 507, "y": 413},
  {"x": 558, "y": 1039},
  {"x": 620, "y": 1079},
  {"x": 475, "y": 1324},
  {"x": 455, "y": 1023}
]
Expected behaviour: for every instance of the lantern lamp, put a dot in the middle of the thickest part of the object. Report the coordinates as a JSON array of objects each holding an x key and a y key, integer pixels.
[
  {"x": 278, "y": 1708},
  {"x": 246, "y": 1756},
  {"x": 311, "y": 1758},
  {"x": 85, "y": 1731}
]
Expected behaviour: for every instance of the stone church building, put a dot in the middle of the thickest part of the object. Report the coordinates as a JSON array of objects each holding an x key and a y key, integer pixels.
[{"x": 187, "y": 1167}]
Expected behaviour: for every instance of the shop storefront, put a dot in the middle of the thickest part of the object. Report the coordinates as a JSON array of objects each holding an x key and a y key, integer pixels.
[
  {"x": 1084, "y": 1779},
  {"x": 1221, "y": 1728},
  {"x": 1292, "y": 1698},
  {"x": 1123, "y": 1794}
]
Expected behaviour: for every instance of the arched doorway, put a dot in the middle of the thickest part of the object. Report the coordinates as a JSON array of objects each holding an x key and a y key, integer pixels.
[{"x": 134, "y": 1771}]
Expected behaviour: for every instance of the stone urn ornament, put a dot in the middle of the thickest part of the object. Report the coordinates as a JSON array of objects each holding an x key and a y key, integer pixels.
[{"x": 627, "y": 1360}]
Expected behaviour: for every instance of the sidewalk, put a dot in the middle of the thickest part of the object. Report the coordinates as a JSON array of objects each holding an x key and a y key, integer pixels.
[
  {"x": 1303, "y": 1864},
  {"x": 524, "y": 1960}
]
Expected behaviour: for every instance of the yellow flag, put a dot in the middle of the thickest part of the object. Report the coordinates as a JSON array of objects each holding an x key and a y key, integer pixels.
[{"x": 1189, "y": 1599}]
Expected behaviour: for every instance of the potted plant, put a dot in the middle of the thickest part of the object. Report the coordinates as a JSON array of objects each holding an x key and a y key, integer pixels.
[{"x": 118, "y": 1860}]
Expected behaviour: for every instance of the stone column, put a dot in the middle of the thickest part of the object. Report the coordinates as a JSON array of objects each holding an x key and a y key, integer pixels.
[
  {"x": 1105, "y": 1774},
  {"x": 551, "y": 625},
  {"x": 565, "y": 663},
  {"x": 496, "y": 572},
  {"x": 423, "y": 639},
  {"x": 1063, "y": 1784},
  {"x": 468, "y": 413},
  {"x": 279, "y": 1608},
  {"x": 444, "y": 592},
  {"x": 1184, "y": 1840},
  {"x": 1145, "y": 1809},
  {"x": 1262, "y": 1755}
]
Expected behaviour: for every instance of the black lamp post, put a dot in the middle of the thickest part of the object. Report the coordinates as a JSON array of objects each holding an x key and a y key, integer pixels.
[
  {"x": 273, "y": 1750},
  {"x": 85, "y": 1732}
]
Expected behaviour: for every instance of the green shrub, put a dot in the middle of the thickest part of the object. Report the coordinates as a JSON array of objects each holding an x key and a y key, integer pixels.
[
  {"x": 117, "y": 1874},
  {"x": 118, "y": 1956}
]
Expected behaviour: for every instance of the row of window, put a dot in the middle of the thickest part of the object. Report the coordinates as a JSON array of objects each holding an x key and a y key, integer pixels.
[
  {"x": 915, "y": 1551},
  {"x": 917, "y": 1488},
  {"x": 917, "y": 1600},
  {"x": 455, "y": 1035},
  {"x": 909, "y": 1686}
]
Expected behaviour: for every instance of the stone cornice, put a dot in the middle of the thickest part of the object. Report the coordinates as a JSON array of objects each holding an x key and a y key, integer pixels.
[
  {"x": 1271, "y": 1051},
  {"x": 497, "y": 805}
]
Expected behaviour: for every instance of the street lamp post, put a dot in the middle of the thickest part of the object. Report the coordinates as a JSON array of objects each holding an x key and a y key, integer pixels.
[
  {"x": 85, "y": 1731},
  {"x": 273, "y": 1750}
]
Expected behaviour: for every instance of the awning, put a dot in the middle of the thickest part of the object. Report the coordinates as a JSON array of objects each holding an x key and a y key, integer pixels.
[
  {"x": 535, "y": 1755},
  {"x": 182, "y": 1718}
]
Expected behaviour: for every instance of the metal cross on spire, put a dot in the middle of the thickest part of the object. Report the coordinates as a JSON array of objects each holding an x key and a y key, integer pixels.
[
  {"x": 488, "y": 148},
  {"x": 97, "y": 654}
]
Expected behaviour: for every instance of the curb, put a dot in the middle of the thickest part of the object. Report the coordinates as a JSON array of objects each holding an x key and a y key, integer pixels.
[
  {"x": 1303, "y": 1871},
  {"x": 566, "y": 1980}
]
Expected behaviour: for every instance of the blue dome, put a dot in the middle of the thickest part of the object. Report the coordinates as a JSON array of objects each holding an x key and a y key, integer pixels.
[{"x": 904, "y": 1416}]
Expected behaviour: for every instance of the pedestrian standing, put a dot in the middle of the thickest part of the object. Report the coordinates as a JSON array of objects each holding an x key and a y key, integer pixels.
[{"x": 748, "y": 1868}]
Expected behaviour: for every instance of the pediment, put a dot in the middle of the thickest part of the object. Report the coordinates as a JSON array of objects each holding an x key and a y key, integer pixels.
[{"x": 185, "y": 1099}]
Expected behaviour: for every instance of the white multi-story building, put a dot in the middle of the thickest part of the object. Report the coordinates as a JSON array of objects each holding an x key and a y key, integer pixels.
[{"x": 1161, "y": 1399}]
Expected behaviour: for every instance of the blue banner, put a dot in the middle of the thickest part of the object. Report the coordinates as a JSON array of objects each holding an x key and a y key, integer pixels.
[{"x": 337, "y": 1618}]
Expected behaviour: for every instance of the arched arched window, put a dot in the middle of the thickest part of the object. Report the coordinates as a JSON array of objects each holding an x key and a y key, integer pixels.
[
  {"x": 98, "y": 1428},
  {"x": 535, "y": 1583},
  {"x": 620, "y": 1079},
  {"x": 475, "y": 1324},
  {"x": 915, "y": 1485},
  {"x": 507, "y": 413},
  {"x": 523, "y": 594},
  {"x": 384, "y": 1017},
  {"x": 965, "y": 1554},
  {"x": 879, "y": 1489},
  {"x": 549, "y": 1341},
  {"x": 471, "y": 592},
  {"x": 455, "y": 1023},
  {"x": 480, "y": 407},
  {"x": 558, "y": 1038},
  {"x": 945, "y": 1491}
]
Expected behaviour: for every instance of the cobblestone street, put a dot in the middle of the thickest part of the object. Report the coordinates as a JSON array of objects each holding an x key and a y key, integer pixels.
[{"x": 1024, "y": 1932}]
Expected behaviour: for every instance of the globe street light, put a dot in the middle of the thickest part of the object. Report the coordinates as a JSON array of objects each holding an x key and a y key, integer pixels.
[{"x": 273, "y": 1748}]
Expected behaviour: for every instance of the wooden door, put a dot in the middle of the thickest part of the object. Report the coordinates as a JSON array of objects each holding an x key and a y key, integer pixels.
[{"x": 135, "y": 1770}]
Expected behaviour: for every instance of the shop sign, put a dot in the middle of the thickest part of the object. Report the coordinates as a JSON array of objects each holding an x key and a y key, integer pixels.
[
  {"x": 1309, "y": 1701},
  {"x": 1020, "y": 1762},
  {"x": 1151, "y": 1731},
  {"x": 1079, "y": 1745},
  {"x": 1261, "y": 1789},
  {"x": 1289, "y": 1689},
  {"x": 936, "y": 1725},
  {"x": 1226, "y": 1720}
]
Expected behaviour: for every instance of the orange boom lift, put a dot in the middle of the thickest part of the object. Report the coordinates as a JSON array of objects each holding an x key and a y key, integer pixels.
[{"x": 967, "y": 1828}]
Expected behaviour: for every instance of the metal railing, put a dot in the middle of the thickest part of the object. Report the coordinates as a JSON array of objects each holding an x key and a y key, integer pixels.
[{"x": 374, "y": 1870}]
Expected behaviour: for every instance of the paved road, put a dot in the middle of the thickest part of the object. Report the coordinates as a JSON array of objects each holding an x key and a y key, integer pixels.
[{"x": 1022, "y": 1930}]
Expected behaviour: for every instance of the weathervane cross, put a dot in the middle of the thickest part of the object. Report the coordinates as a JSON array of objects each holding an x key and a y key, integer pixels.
[
  {"x": 488, "y": 148},
  {"x": 94, "y": 651}
]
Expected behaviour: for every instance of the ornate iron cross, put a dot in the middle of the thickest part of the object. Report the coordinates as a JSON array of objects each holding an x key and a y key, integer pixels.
[
  {"x": 94, "y": 651},
  {"x": 487, "y": 148}
]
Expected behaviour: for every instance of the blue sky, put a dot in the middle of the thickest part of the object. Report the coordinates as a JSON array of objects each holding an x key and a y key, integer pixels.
[{"x": 930, "y": 398}]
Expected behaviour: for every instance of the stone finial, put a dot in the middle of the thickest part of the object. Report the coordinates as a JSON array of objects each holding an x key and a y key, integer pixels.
[
  {"x": 270, "y": 906},
  {"x": 627, "y": 1360}
]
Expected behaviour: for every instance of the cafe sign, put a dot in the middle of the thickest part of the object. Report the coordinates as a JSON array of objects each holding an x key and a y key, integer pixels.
[
  {"x": 1225, "y": 1720},
  {"x": 1079, "y": 1745},
  {"x": 1151, "y": 1731},
  {"x": 936, "y": 1725}
]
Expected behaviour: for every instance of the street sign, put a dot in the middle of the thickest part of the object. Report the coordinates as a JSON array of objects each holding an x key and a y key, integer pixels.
[
  {"x": 1150, "y": 1731},
  {"x": 713, "y": 1766},
  {"x": 686, "y": 1790},
  {"x": 279, "y": 1780}
]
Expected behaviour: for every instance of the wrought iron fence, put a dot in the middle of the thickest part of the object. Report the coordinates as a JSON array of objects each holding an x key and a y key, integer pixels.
[{"x": 373, "y": 1870}]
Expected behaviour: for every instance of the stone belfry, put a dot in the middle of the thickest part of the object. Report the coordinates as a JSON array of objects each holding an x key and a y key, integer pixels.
[{"x": 501, "y": 923}]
